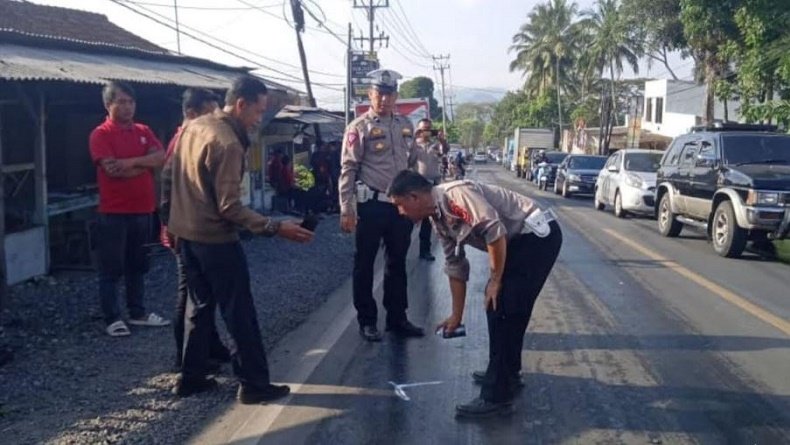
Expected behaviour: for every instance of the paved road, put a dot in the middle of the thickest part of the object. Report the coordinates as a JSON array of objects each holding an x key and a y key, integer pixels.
[{"x": 635, "y": 339}]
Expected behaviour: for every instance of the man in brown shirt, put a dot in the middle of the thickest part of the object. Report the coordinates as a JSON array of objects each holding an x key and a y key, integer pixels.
[{"x": 205, "y": 216}]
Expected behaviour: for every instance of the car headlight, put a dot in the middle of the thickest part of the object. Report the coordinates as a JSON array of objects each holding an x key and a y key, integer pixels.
[
  {"x": 574, "y": 178},
  {"x": 763, "y": 198},
  {"x": 634, "y": 181}
]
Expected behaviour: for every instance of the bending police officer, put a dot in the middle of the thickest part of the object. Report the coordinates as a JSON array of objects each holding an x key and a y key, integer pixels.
[
  {"x": 376, "y": 146},
  {"x": 522, "y": 242}
]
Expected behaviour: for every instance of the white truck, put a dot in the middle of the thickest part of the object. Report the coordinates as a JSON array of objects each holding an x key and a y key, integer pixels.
[{"x": 527, "y": 140}]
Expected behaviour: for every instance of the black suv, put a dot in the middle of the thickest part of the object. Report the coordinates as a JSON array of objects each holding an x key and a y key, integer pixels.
[{"x": 733, "y": 180}]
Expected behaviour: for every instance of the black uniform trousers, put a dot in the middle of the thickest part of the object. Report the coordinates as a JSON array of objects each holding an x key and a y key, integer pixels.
[
  {"x": 216, "y": 347},
  {"x": 380, "y": 221},
  {"x": 529, "y": 262},
  {"x": 217, "y": 274}
]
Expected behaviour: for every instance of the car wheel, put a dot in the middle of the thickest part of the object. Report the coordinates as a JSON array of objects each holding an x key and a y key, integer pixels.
[
  {"x": 618, "y": 206},
  {"x": 565, "y": 192},
  {"x": 597, "y": 202},
  {"x": 668, "y": 224},
  {"x": 556, "y": 189},
  {"x": 729, "y": 240}
]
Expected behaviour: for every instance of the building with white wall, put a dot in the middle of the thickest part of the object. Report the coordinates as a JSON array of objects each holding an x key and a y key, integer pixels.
[{"x": 672, "y": 107}]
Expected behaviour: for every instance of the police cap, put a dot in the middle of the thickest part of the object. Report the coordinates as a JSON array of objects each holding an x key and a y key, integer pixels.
[{"x": 386, "y": 81}]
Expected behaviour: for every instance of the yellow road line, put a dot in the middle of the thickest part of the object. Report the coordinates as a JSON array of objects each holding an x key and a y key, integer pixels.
[{"x": 727, "y": 295}]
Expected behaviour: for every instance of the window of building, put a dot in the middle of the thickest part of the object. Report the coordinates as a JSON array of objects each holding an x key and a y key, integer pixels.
[
  {"x": 649, "y": 110},
  {"x": 659, "y": 110}
]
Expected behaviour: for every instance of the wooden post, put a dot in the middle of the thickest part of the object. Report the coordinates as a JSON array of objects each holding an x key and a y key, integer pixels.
[
  {"x": 3, "y": 275},
  {"x": 40, "y": 161}
]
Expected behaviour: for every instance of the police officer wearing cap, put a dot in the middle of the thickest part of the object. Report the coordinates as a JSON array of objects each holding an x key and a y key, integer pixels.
[
  {"x": 376, "y": 146},
  {"x": 522, "y": 242},
  {"x": 430, "y": 148}
]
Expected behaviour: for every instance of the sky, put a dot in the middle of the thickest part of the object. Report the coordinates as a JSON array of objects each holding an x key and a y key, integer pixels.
[{"x": 475, "y": 33}]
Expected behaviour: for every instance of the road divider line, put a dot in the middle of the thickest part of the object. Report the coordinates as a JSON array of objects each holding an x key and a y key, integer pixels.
[{"x": 725, "y": 294}]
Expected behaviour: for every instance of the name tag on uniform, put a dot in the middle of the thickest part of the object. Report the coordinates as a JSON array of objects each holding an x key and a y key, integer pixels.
[{"x": 538, "y": 223}]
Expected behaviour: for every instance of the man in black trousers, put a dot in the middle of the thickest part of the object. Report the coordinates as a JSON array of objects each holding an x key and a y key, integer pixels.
[{"x": 205, "y": 214}]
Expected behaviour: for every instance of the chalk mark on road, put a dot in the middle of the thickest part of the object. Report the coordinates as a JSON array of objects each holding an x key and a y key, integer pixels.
[{"x": 402, "y": 394}]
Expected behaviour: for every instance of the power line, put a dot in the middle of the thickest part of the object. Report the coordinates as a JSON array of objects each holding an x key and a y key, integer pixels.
[
  {"x": 290, "y": 78},
  {"x": 410, "y": 47},
  {"x": 201, "y": 8},
  {"x": 413, "y": 33},
  {"x": 321, "y": 23},
  {"x": 239, "y": 48}
]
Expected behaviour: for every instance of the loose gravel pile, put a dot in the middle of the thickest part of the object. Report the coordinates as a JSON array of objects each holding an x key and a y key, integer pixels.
[{"x": 70, "y": 383}]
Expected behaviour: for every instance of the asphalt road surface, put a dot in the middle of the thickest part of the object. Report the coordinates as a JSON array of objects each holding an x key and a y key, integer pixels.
[{"x": 635, "y": 339}]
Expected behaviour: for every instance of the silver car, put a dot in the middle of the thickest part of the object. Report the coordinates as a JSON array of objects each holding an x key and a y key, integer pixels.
[{"x": 628, "y": 182}]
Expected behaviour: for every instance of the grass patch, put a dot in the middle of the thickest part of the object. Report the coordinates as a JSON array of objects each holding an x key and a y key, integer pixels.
[{"x": 783, "y": 250}]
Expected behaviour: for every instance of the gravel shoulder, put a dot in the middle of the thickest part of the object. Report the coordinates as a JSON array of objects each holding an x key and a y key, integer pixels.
[{"x": 70, "y": 383}]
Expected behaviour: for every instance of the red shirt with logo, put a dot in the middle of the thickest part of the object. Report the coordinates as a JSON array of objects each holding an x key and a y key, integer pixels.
[{"x": 124, "y": 195}]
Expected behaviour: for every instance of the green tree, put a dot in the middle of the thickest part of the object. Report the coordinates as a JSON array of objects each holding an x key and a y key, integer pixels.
[
  {"x": 613, "y": 44},
  {"x": 545, "y": 49},
  {"x": 421, "y": 87},
  {"x": 471, "y": 132},
  {"x": 708, "y": 25},
  {"x": 661, "y": 33}
]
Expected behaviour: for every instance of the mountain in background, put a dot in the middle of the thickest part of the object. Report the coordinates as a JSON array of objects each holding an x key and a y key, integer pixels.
[{"x": 477, "y": 96}]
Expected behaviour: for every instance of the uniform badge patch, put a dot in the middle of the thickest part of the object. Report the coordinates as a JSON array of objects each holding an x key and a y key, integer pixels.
[
  {"x": 406, "y": 132},
  {"x": 460, "y": 212},
  {"x": 351, "y": 138},
  {"x": 376, "y": 132},
  {"x": 379, "y": 146},
  {"x": 143, "y": 140}
]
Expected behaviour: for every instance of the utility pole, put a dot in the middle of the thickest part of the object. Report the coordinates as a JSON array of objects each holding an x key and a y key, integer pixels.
[
  {"x": 348, "y": 91},
  {"x": 371, "y": 6},
  {"x": 440, "y": 63},
  {"x": 178, "y": 32},
  {"x": 298, "y": 15}
]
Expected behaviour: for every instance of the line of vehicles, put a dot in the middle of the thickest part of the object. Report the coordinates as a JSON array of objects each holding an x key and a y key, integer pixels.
[{"x": 732, "y": 181}]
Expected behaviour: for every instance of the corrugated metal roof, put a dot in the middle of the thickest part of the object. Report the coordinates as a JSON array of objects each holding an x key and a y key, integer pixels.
[
  {"x": 306, "y": 115},
  {"x": 28, "y": 63}
]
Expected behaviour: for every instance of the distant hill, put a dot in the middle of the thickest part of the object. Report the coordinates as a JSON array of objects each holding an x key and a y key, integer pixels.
[{"x": 482, "y": 95}]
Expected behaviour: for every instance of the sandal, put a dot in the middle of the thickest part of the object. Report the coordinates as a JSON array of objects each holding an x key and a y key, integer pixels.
[
  {"x": 118, "y": 329},
  {"x": 151, "y": 320}
]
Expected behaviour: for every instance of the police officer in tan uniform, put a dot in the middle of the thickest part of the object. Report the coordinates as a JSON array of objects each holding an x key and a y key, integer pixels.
[
  {"x": 376, "y": 146},
  {"x": 522, "y": 242},
  {"x": 431, "y": 146}
]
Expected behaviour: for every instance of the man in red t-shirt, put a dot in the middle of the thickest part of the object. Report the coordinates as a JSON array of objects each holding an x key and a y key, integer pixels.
[{"x": 125, "y": 154}]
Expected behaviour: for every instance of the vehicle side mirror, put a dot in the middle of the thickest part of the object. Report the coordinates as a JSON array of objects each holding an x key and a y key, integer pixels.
[
  {"x": 613, "y": 169},
  {"x": 705, "y": 161}
]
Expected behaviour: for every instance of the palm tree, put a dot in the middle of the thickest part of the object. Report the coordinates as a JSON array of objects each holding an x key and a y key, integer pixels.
[
  {"x": 612, "y": 43},
  {"x": 545, "y": 49}
]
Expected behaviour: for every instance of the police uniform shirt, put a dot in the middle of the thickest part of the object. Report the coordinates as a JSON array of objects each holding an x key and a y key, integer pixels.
[
  {"x": 375, "y": 149},
  {"x": 428, "y": 158},
  {"x": 476, "y": 214}
]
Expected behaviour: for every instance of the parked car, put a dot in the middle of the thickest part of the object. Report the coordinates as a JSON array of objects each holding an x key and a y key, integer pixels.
[
  {"x": 628, "y": 182},
  {"x": 732, "y": 180},
  {"x": 577, "y": 174},
  {"x": 480, "y": 158}
]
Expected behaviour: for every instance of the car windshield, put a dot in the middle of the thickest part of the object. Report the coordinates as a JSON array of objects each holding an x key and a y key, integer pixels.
[
  {"x": 643, "y": 162},
  {"x": 756, "y": 149},
  {"x": 587, "y": 162},
  {"x": 556, "y": 157}
]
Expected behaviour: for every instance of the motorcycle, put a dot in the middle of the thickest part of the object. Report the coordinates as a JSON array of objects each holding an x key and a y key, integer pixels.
[{"x": 542, "y": 176}]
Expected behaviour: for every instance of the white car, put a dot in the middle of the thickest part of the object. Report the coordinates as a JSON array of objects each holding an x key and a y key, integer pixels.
[
  {"x": 628, "y": 182},
  {"x": 480, "y": 158}
]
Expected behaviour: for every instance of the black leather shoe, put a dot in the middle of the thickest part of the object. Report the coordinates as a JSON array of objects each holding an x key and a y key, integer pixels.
[
  {"x": 479, "y": 408},
  {"x": 370, "y": 333},
  {"x": 480, "y": 376},
  {"x": 186, "y": 388},
  {"x": 249, "y": 395},
  {"x": 405, "y": 329},
  {"x": 427, "y": 256}
]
